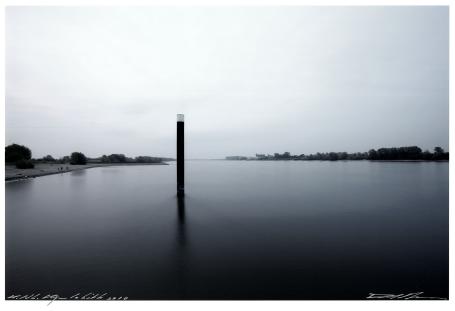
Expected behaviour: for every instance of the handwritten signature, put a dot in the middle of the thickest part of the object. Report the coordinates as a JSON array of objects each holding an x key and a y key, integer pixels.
[
  {"x": 408, "y": 296},
  {"x": 77, "y": 296}
]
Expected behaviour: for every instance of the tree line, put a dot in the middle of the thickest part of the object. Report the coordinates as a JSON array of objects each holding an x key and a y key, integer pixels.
[
  {"x": 386, "y": 154},
  {"x": 121, "y": 158},
  {"x": 21, "y": 156}
]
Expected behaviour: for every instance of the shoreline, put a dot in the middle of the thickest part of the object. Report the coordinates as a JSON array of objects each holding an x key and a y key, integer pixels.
[
  {"x": 282, "y": 160},
  {"x": 43, "y": 169}
]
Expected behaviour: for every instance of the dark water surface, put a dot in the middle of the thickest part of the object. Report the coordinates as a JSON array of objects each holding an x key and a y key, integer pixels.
[{"x": 245, "y": 230}]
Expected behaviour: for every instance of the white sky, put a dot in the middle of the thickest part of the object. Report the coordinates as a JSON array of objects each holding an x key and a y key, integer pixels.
[{"x": 249, "y": 80}]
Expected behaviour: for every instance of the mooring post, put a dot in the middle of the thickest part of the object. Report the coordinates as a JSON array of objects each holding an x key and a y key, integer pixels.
[{"x": 180, "y": 155}]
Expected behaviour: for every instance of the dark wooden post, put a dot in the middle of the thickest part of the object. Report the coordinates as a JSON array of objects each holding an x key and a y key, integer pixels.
[{"x": 180, "y": 155}]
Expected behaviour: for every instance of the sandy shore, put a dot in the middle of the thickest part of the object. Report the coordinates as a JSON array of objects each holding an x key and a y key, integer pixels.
[{"x": 42, "y": 169}]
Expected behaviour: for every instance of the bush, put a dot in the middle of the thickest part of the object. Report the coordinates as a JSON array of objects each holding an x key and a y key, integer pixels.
[
  {"x": 24, "y": 164},
  {"x": 78, "y": 158},
  {"x": 15, "y": 152}
]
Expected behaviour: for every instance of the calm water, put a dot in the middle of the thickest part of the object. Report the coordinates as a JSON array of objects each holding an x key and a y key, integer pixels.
[{"x": 245, "y": 230}]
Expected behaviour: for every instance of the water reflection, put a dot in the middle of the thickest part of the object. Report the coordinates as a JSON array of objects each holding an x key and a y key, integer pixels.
[
  {"x": 181, "y": 226},
  {"x": 181, "y": 209},
  {"x": 181, "y": 252}
]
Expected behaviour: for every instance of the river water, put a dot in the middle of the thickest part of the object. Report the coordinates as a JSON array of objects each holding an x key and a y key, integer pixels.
[{"x": 244, "y": 230}]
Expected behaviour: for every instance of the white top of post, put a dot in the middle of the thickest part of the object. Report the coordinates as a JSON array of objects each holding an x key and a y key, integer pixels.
[{"x": 180, "y": 117}]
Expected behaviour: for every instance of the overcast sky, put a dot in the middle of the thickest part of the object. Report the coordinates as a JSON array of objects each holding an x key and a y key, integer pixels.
[{"x": 249, "y": 80}]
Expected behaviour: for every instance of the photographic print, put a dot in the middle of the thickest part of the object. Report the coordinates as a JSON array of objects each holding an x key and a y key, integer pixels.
[{"x": 226, "y": 153}]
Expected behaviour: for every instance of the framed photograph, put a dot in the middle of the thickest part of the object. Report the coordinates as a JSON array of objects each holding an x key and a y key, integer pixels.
[{"x": 226, "y": 153}]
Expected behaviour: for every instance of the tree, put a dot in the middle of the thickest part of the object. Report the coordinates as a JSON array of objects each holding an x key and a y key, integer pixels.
[
  {"x": 384, "y": 153},
  {"x": 438, "y": 150},
  {"x": 333, "y": 156},
  {"x": 15, "y": 152},
  {"x": 410, "y": 153},
  {"x": 48, "y": 158},
  {"x": 147, "y": 159},
  {"x": 117, "y": 158},
  {"x": 426, "y": 155},
  {"x": 104, "y": 159},
  {"x": 342, "y": 155},
  {"x": 65, "y": 159},
  {"x": 439, "y": 154},
  {"x": 78, "y": 158},
  {"x": 372, "y": 155}
]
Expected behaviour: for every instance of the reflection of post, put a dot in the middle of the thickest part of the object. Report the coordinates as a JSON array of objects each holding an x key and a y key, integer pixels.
[
  {"x": 181, "y": 210},
  {"x": 180, "y": 155},
  {"x": 181, "y": 255}
]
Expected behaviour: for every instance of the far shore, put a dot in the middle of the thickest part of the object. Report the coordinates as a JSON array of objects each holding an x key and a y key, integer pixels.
[
  {"x": 346, "y": 160},
  {"x": 43, "y": 169}
]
